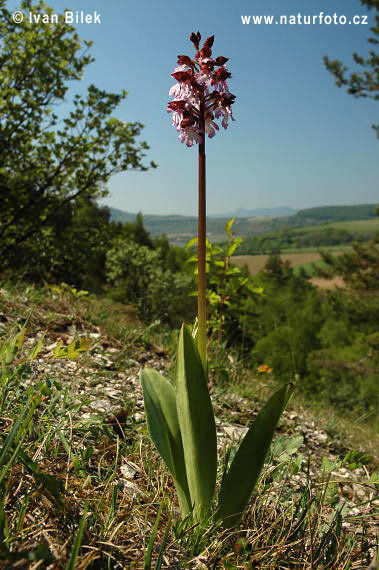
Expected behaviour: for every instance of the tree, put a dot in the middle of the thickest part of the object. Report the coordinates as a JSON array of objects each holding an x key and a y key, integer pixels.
[
  {"x": 365, "y": 81},
  {"x": 48, "y": 160},
  {"x": 359, "y": 267}
]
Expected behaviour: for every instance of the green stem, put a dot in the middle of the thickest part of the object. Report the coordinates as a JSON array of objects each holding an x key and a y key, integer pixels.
[{"x": 202, "y": 278}]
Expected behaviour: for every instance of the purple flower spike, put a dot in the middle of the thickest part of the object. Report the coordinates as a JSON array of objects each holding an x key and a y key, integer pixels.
[{"x": 201, "y": 80}]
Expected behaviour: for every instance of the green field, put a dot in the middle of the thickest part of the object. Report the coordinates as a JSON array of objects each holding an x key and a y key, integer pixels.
[
  {"x": 310, "y": 267},
  {"x": 308, "y": 238},
  {"x": 179, "y": 229},
  {"x": 360, "y": 226}
]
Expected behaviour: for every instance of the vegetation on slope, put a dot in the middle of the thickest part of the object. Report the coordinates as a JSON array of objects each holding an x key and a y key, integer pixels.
[
  {"x": 82, "y": 486},
  {"x": 180, "y": 228},
  {"x": 317, "y": 236}
]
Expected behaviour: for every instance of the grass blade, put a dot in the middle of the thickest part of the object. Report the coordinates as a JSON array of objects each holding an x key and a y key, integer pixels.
[
  {"x": 71, "y": 564},
  {"x": 158, "y": 563},
  {"x": 149, "y": 550}
]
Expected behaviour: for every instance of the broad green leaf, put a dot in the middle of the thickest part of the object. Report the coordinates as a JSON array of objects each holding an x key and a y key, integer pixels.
[
  {"x": 327, "y": 466},
  {"x": 164, "y": 430},
  {"x": 197, "y": 424},
  {"x": 243, "y": 474},
  {"x": 228, "y": 225},
  {"x": 37, "y": 349},
  {"x": 285, "y": 444},
  {"x": 242, "y": 283},
  {"x": 191, "y": 242},
  {"x": 73, "y": 350},
  {"x": 233, "y": 270},
  {"x": 215, "y": 250},
  {"x": 230, "y": 249},
  {"x": 20, "y": 338},
  {"x": 10, "y": 348},
  {"x": 57, "y": 349}
]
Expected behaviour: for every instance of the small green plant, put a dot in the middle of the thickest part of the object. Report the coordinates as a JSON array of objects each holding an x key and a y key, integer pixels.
[
  {"x": 227, "y": 285},
  {"x": 182, "y": 426},
  {"x": 179, "y": 416},
  {"x": 72, "y": 292}
]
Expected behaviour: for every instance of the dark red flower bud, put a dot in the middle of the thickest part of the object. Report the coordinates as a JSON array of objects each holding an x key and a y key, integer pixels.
[
  {"x": 206, "y": 50},
  {"x": 184, "y": 60},
  {"x": 221, "y": 60},
  {"x": 195, "y": 39},
  {"x": 209, "y": 42}
]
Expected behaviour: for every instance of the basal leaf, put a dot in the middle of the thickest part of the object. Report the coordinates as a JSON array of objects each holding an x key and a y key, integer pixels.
[
  {"x": 197, "y": 424},
  {"x": 164, "y": 430},
  {"x": 243, "y": 474}
]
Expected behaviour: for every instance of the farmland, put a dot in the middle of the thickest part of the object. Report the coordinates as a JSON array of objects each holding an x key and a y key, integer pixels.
[
  {"x": 309, "y": 227},
  {"x": 337, "y": 234},
  {"x": 351, "y": 226},
  {"x": 256, "y": 263}
]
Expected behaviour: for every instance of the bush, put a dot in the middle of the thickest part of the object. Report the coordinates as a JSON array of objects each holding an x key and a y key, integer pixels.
[{"x": 138, "y": 278}]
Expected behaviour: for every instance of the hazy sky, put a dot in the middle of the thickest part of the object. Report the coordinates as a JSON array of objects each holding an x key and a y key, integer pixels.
[{"x": 297, "y": 141}]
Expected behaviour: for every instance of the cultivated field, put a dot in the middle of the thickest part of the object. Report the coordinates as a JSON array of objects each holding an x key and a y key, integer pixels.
[{"x": 256, "y": 263}]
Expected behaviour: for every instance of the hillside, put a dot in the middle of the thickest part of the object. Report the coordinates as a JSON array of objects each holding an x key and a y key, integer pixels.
[
  {"x": 258, "y": 212},
  {"x": 334, "y": 214},
  {"x": 328, "y": 235},
  {"x": 179, "y": 229},
  {"x": 81, "y": 460}
]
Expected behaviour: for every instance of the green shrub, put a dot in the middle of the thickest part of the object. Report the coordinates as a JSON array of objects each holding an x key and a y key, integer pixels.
[{"x": 138, "y": 278}]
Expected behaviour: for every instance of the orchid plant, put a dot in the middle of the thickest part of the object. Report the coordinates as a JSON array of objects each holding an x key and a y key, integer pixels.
[
  {"x": 179, "y": 416},
  {"x": 201, "y": 95}
]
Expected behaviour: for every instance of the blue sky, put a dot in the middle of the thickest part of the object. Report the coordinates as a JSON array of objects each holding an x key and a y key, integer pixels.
[{"x": 297, "y": 141}]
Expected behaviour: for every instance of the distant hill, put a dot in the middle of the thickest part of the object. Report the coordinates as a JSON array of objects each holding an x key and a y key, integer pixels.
[
  {"x": 258, "y": 212},
  {"x": 334, "y": 214},
  {"x": 179, "y": 229},
  {"x": 121, "y": 216},
  {"x": 328, "y": 235}
]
